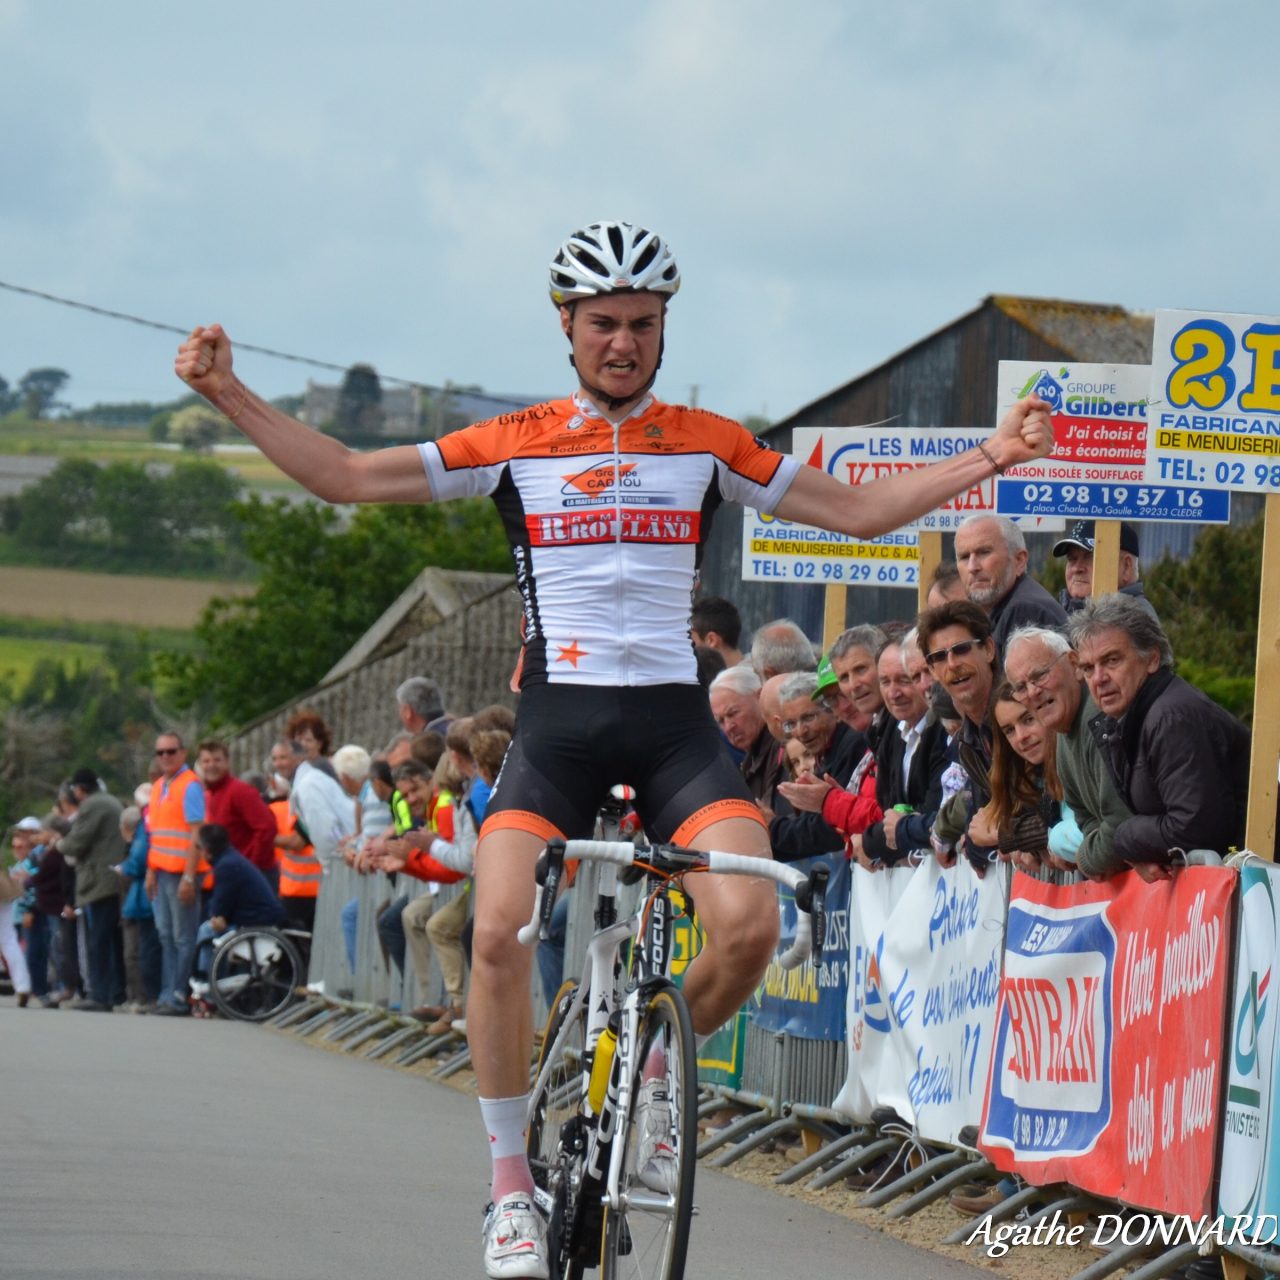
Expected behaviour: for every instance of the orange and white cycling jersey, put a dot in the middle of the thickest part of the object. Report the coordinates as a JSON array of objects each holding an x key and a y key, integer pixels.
[{"x": 606, "y": 523}]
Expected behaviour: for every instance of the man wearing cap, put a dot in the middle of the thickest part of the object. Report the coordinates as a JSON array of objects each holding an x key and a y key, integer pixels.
[{"x": 1077, "y": 546}]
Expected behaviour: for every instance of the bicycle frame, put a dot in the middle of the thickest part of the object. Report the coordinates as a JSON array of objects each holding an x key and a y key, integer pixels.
[
  {"x": 593, "y": 1144},
  {"x": 597, "y": 990}
]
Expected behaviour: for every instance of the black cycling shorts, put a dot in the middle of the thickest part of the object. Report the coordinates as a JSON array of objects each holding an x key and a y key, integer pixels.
[{"x": 573, "y": 742}]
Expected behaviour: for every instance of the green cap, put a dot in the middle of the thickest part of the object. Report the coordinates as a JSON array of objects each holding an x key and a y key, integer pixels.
[{"x": 827, "y": 678}]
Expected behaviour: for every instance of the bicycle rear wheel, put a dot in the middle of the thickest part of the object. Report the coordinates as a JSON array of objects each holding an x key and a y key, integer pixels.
[
  {"x": 647, "y": 1237},
  {"x": 557, "y": 1134}
]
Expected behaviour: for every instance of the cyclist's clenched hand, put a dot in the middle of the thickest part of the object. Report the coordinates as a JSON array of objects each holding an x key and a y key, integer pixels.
[
  {"x": 203, "y": 361},
  {"x": 1024, "y": 434}
]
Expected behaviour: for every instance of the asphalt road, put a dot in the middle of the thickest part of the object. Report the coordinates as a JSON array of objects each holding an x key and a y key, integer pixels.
[{"x": 171, "y": 1149}]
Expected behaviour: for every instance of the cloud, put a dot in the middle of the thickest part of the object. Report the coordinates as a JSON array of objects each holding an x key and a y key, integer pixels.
[{"x": 389, "y": 185}]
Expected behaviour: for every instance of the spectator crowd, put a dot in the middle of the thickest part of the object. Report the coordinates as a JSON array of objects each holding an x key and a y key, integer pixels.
[
  {"x": 112, "y": 905},
  {"x": 999, "y": 724}
]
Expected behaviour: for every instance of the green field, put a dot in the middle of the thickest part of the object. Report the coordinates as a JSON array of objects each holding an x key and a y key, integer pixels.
[
  {"x": 25, "y": 641},
  {"x": 25, "y": 438},
  {"x": 19, "y": 655}
]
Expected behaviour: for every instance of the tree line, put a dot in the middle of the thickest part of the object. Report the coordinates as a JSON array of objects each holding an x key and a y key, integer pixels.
[
  {"x": 322, "y": 581},
  {"x": 36, "y": 394},
  {"x": 129, "y": 517}
]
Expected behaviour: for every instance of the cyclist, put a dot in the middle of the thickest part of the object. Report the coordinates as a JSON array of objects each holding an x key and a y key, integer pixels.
[{"x": 606, "y": 496}]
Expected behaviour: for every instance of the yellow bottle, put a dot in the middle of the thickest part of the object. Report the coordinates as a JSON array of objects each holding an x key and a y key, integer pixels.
[{"x": 601, "y": 1066}]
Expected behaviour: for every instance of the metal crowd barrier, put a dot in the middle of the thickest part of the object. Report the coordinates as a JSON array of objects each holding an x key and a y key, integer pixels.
[{"x": 787, "y": 1083}]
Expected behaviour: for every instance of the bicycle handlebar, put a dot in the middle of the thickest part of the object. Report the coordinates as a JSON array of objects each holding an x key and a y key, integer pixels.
[{"x": 809, "y": 889}]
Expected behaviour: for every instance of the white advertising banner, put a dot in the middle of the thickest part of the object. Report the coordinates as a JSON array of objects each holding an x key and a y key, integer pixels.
[
  {"x": 925, "y": 952},
  {"x": 1250, "y": 1181},
  {"x": 860, "y": 455},
  {"x": 776, "y": 550},
  {"x": 1100, "y": 438}
]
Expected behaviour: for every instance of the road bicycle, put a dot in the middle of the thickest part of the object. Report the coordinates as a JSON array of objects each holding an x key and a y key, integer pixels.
[{"x": 613, "y": 1111}]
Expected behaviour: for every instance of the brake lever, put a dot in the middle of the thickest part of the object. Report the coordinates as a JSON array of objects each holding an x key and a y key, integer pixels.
[{"x": 811, "y": 897}]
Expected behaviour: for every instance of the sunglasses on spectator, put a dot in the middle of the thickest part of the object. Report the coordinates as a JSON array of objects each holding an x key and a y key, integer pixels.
[
  {"x": 1035, "y": 679},
  {"x": 168, "y": 751},
  {"x": 959, "y": 649},
  {"x": 809, "y": 717}
]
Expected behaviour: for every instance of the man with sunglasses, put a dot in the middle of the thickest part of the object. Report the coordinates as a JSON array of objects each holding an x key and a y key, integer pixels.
[
  {"x": 957, "y": 644},
  {"x": 175, "y": 869},
  {"x": 1045, "y": 678}
]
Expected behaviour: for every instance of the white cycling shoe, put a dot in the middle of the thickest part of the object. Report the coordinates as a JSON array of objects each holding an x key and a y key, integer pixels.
[
  {"x": 515, "y": 1239},
  {"x": 656, "y": 1156}
]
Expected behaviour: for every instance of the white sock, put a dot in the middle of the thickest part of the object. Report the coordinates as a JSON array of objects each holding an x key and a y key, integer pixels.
[{"x": 504, "y": 1121}]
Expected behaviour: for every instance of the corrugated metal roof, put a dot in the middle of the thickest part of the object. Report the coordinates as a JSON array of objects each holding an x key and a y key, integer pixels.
[{"x": 1092, "y": 331}]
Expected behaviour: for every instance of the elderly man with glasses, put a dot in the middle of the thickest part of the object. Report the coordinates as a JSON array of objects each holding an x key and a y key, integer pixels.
[
  {"x": 1045, "y": 677},
  {"x": 837, "y": 749}
]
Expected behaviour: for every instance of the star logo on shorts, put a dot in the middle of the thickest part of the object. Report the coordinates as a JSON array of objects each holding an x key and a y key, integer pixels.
[{"x": 571, "y": 653}]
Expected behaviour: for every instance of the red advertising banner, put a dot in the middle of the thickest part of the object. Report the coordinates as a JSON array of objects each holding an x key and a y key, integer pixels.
[{"x": 1107, "y": 1062}]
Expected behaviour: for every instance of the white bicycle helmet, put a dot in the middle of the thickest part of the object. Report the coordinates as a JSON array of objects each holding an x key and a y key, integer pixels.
[{"x": 608, "y": 257}]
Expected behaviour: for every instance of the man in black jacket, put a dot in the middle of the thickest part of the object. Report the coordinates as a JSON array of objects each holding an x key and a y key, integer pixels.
[{"x": 1180, "y": 761}]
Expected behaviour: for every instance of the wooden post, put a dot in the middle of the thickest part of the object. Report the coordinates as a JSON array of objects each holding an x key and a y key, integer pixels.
[
  {"x": 930, "y": 559},
  {"x": 833, "y": 614},
  {"x": 1260, "y": 829},
  {"x": 1106, "y": 557}
]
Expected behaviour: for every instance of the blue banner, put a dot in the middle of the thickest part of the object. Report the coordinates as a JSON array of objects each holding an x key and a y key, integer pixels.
[
  {"x": 810, "y": 1001},
  {"x": 1113, "y": 501}
]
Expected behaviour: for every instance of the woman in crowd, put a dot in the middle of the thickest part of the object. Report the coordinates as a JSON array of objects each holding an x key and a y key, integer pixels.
[{"x": 1024, "y": 785}]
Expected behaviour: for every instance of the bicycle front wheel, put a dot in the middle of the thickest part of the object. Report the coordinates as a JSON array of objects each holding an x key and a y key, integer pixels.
[
  {"x": 647, "y": 1236},
  {"x": 557, "y": 1133}
]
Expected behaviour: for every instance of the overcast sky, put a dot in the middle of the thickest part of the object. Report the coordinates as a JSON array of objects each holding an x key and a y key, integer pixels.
[{"x": 386, "y": 182}]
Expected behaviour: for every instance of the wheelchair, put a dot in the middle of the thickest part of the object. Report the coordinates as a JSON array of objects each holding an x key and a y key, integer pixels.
[{"x": 256, "y": 972}]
